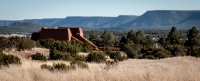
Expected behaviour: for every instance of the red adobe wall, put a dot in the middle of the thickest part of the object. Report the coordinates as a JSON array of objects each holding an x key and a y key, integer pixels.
[
  {"x": 57, "y": 34},
  {"x": 62, "y": 34}
]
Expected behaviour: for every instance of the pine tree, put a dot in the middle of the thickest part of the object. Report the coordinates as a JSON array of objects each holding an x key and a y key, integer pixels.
[
  {"x": 93, "y": 37},
  {"x": 173, "y": 37},
  {"x": 193, "y": 37},
  {"x": 148, "y": 41},
  {"x": 131, "y": 35},
  {"x": 139, "y": 37},
  {"x": 107, "y": 39},
  {"x": 122, "y": 41}
]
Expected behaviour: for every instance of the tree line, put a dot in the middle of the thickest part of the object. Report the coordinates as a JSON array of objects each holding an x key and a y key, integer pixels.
[{"x": 137, "y": 44}]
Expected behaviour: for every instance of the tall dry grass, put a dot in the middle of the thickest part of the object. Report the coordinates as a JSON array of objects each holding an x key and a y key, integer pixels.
[{"x": 169, "y": 69}]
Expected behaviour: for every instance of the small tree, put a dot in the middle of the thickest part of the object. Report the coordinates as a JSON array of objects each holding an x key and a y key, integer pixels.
[
  {"x": 193, "y": 51},
  {"x": 173, "y": 37},
  {"x": 148, "y": 41},
  {"x": 193, "y": 37},
  {"x": 139, "y": 37},
  {"x": 131, "y": 49},
  {"x": 176, "y": 50},
  {"x": 122, "y": 42},
  {"x": 107, "y": 39},
  {"x": 162, "y": 42},
  {"x": 93, "y": 37},
  {"x": 131, "y": 35}
]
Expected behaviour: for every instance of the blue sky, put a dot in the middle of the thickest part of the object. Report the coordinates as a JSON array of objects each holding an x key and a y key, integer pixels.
[{"x": 38, "y": 9}]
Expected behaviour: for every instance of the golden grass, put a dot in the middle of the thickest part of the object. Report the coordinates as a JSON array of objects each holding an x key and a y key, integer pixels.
[{"x": 169, "y": 69}]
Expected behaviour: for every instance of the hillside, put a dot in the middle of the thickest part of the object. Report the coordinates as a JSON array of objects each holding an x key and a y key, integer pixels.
[
  {"x": 21, "y": 27},
  {"x": 155, "y": 19},
  {"x": 83, "y": 21},
  {"x": 95, "y": 21},
  {"x": 6, "y": 22},
  {"x": 170, "y": 69},
  {"x": 165, "y": 19},
  {"x": 46, "y": 22}
]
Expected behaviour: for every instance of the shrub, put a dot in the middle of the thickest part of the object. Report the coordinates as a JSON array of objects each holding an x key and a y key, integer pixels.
[
  {"x": 5, "y": 43},
  {"x": 39, "y": 56},
  {"x": 47, "y": 43},
  {"x": 86, "y": 47},
  {"x": 60, "y": 66},
  {"x": 162, "y": 53},
  {"x": 98, "y": 57},
  {"x": 80, "y": 64},
  {"x": 193, "y": 51},
  {"x": 131, "y": 53},
  {"x": 68, "y": 57},
  {"x": 150, "y": 57},
  {"x": 64, "y": 67},
  {"x": 5, "y": 60},
  {"x": 176, "y": 50},
  {"x": 59, "y": 55},
  {"x": 117, "y": 56},
  {"x": 80, "y": 58},
  {"x": 154, "y": 53},
  {"x": 23, "y": 44},
  {"x": 45, "y": 66},
  {"x": 110, "y": 64},
  {"x": 57, "y": 67}
]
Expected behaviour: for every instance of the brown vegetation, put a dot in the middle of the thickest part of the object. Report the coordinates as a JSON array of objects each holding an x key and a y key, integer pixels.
[{"x": 169, "y": 69}]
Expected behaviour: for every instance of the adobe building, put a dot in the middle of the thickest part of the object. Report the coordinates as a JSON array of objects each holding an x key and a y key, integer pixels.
[{"x": 62, "y": 34}]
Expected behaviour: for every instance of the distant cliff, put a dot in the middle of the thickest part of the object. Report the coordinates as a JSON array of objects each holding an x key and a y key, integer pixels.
[
  {"x": 165, "y": 19},
  {"x": 155, "y": 19}
]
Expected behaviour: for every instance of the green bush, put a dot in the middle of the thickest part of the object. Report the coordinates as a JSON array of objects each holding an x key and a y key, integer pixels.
[
  {"x": 110, "y": 64},
  {"x": 80, "y": 58},
  {"x": 5, "y": 60},
  {"x": 64, "y": 67},
  {"x": 176, "y": 50},
  {"x": 5, "y": 43},
  {"x": 131, "y": 53},
  {"x": 72, "y": 47},
  {"x": 39, "y": 56},
  {"x": 150, "y": 57},
  {"x": 61, "y": 66},
  {"x": 117, "y": 56},
  {"x": 80, "y": 64},
  {"x": 57, "y": 67},
  {"x": 47, "y": 43},
  {"x": 59, "y": 55},
  {"x": 45, "y": 66},
  {"x": 86, "y": 47},
  {"x": 193, "y": 51},
  {"x": 21, "y": 43},
  {"x": 154, "y": 53},
  {"x": 98, "y": 57}
]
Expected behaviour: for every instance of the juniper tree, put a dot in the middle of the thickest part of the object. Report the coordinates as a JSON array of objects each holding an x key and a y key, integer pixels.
[
  {"x": 107, "y": 39},
  {"x": 173, "y": 36},
  {"x": 193, "y": 37}
]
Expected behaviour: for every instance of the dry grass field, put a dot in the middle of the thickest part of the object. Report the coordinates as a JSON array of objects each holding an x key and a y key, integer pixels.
[{"x": 169, "y": 69}]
